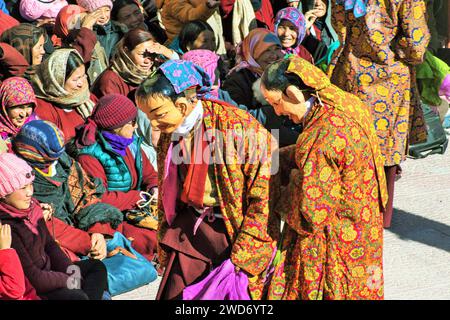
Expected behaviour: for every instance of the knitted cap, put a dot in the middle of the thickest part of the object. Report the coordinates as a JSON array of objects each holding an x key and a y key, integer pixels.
[
  {"x": 92, "y": 5},
  {"x": 39, "y": 143},
  {"x": 14, "y": 174},
  {"x": 35, "y": 9},
  {"x": 113, "y": 111}
]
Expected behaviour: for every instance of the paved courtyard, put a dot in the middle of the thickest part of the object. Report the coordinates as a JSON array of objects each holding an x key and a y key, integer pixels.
[{"x": 417, "y": 246}]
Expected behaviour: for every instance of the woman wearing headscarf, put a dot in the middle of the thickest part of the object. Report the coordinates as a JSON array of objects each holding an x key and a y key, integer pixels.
[
  {"x": 44, "y": 263},
  {"x": 110, "y": 150},
  {"x": 62, "y": 91},
  {"x": 290, "y": 26},
  {"x": 137, "y": 55},
  {"x": 74, "y": 27},
  {"x": 260, "y": 48},
  {"x": 332, "y": 244},
  {"x": 17, "y": 104},
  {"x": 78, "y": 199},
  {"x": 28, "y": 40}
]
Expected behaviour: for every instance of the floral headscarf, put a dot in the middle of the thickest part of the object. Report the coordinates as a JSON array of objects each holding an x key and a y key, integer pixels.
[
  {"x": 14, "y": 92},
  {"x": 252, "y": 47},
  {"x": 297, "y": 18},
  {"x": 185, "y": 74}
]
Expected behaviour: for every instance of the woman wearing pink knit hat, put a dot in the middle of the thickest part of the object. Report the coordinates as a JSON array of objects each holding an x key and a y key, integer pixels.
[
  {"x": 108, "y": 32},
  {"x": 45, "y": 265}
]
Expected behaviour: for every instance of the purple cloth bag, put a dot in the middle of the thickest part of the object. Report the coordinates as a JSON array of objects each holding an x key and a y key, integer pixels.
[{"x": 223, "y": 283}]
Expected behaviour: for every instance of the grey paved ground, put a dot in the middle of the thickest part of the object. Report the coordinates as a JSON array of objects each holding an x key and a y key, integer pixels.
[{"x": 417, "y": 247}]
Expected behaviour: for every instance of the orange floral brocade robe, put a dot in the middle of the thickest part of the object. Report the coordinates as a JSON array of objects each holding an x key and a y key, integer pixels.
[
  {"x": 332, "y": 245},
  {"x": 242, "y": 186}
]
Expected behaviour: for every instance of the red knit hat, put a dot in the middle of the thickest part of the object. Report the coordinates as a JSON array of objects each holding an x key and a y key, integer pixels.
[{"x": 113, "y": 111}]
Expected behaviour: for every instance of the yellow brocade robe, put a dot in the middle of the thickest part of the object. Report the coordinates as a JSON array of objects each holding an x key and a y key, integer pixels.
[{"x": 332, "y": 245}]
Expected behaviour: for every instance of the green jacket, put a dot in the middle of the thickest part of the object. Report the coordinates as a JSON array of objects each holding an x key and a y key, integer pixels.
[
  {"x": 118, "y": 174},
  {"x": 430, "y": 75}
]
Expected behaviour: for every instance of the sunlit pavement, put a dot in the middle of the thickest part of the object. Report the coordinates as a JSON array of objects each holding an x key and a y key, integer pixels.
[{"x": 417, "y": 246}]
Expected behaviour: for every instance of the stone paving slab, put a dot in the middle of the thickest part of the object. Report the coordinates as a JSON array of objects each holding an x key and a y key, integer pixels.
[{"x": 416, "y": 247}]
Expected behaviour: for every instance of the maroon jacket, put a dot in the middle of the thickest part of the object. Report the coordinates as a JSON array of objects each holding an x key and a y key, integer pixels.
[
  {"x": 13, "y": 284},
  {"x": 65, "y": 121},
  {"x": 110, "y": 82},
  {"x": 74, "y": 242},
  {"x": 43, "y": 262},
  {"x": 7, "y": 22},
  {"x": 12, "y": 63}
]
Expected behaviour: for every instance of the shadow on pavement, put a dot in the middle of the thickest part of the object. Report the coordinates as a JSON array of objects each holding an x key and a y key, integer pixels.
[{"x": 409, "y": 226}]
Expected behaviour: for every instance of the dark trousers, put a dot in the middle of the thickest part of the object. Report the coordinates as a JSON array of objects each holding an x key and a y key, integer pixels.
[
  {"x": 191, "y": 257},
  {"x": 94, "y": 282}
]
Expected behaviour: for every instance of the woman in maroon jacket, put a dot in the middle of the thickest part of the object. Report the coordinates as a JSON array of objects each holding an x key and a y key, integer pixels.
[
  {"x": 110, "y": 150},
  {"x": 61, "y": 86},
  {"x": 49, "y": 270},
  {"x": 135, "y": 58}
]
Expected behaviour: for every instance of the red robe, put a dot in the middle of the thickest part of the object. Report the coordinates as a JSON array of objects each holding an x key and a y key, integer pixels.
[
  {"x": 13, "y": 283},
  {"x": 65, "y": 121}
]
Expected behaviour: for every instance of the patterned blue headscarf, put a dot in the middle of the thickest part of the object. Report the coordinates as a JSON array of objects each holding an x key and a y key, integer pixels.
[
  {"x": 185, "y": 74},
  {"x": 39, "y": 143},
  {"x": 358, "y": 6}
]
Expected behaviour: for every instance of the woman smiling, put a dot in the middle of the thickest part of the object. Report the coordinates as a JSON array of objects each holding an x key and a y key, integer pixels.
[{"x": 18, "y": 102}]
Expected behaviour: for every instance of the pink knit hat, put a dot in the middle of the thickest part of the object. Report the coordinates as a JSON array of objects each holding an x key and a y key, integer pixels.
[
  {"x": 92, "y": 5},
  {"x": 35, "y": 9},
  {"x": 15, "y": 173}
]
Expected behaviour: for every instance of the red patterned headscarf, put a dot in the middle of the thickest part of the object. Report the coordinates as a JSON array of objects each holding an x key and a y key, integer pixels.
[{"x": 14, "y": 92}]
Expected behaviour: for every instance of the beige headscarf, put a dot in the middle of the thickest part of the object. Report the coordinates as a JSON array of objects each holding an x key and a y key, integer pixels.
[
  {"x": 48, "y": 84},
  {"x": 125, "y": 67}
]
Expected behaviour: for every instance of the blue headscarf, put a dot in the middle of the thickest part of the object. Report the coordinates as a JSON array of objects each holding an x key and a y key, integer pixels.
[
  {"x": 185, "y": 74},
  {"x": 358, "y": 6},
  {"x": 39, "y": 143}
]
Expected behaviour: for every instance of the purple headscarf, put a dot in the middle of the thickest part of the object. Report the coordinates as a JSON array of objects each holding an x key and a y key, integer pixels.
[{"x": 297, "y": 18}]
